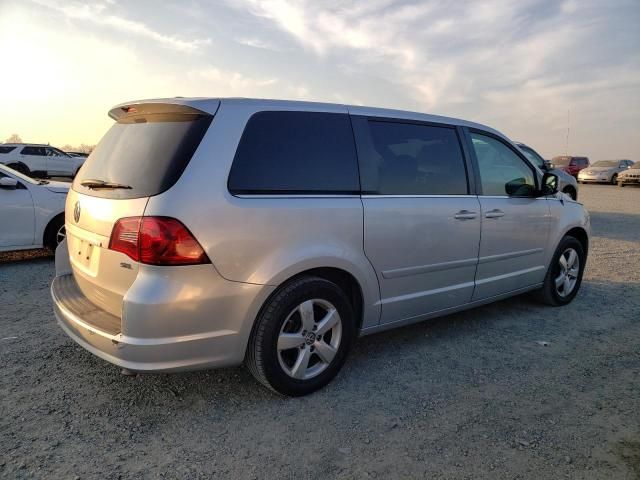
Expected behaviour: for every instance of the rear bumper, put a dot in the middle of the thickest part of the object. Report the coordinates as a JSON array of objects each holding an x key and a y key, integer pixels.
[{"x": 216, "y": 343}]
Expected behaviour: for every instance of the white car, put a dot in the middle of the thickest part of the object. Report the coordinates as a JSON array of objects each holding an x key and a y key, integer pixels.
[
  {"x": 604, "y": 171},
  {"x": 39, "y": 160},
  {"x": 31, "y": 211}
]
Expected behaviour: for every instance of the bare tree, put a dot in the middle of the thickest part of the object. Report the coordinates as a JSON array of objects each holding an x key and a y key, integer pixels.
[
  {"x": 14, "y": 138},
  {"x": 84, "y": 148}
]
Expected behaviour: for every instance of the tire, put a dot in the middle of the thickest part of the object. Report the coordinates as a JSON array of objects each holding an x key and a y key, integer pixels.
[
  {"x": 20, "y": 167},
  {"x": 55, "y": 232},
  {"x": 281, "y": 320},
  {"x": 614, "y": 179},
  {"x": 555, "y": 295},
  {"x": 571, "y": 192}
]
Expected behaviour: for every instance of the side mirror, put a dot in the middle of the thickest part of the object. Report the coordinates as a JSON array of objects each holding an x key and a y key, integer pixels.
[
  {"x": 519, "y": 188},
  {"x": 549, "y": 184},
  {"x": 547, "y": 165},
  {"x": 8, "y": 183}
]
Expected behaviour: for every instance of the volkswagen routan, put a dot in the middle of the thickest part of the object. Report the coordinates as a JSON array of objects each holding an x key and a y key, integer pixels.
[{"x": 206, "y": 233}]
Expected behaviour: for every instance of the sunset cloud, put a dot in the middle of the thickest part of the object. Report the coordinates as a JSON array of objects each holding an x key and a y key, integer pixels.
[{"x": 517, "y": 65}]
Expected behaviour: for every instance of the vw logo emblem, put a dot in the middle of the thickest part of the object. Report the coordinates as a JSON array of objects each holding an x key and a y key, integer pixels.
[
  {"x": 76, "y": 212},
  {"x": 310, "y": 338}
]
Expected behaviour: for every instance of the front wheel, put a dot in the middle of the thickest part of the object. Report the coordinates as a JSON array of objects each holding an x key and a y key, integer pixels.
[
  {"x": 564, "y": 276},
  {"x": 614, "y": 179},
  {"x": 302, "y": 337},
  {"x": 20, "y": 167}
]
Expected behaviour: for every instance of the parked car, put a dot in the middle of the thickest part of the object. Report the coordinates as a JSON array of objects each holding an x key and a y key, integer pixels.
[
  {"x": 39, "y": 160},
  {"x": 566, "y": 183},
  {"x": 604, "y": 171},
  {"x": 630, "y": 176},
  {"x": 279, "y": 232},
  {"x": 31, "y": 211},
  {"x": 571, "y": 165}
]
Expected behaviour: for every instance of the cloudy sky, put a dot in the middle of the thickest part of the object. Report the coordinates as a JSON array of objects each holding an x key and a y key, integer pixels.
[{"x": 517, "y": 65}]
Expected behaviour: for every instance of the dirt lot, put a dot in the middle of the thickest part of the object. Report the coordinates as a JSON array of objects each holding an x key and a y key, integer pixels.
[{"x": 471, "y": 395}]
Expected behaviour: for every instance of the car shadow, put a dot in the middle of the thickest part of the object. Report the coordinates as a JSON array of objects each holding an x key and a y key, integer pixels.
[
  {"x": 616, "y": 226},
  {"x": 445, "y": 343}
]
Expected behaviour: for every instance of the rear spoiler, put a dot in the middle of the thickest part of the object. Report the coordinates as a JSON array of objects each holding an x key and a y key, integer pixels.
[{"x": 127, "y": 113}]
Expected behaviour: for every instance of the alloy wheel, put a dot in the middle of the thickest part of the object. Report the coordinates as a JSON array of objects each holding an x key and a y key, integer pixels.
[
  {"x": 309, "y": 339},
  {"x": 569, "y": 268},
  {"x": 61, "y": 234}
]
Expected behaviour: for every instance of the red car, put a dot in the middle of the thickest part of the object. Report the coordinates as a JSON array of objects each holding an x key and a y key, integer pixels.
[{"x": 571, "y": 165}]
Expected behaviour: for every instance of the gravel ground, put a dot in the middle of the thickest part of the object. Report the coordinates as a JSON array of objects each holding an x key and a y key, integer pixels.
[{"x": 473, "y": 395}]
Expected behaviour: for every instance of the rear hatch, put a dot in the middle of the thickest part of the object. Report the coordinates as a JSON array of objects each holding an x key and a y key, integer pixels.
[{"x": 143, "y": 154}]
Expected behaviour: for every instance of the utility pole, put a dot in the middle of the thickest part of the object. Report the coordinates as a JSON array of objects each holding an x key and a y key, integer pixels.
[{"x": 568, "y": 130}]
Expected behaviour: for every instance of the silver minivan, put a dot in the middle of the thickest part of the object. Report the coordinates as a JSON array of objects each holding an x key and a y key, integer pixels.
[{"x": 211, "y": 232}]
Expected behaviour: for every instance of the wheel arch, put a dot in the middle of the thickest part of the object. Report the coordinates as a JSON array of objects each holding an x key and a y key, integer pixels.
[
  {"x": 581, "y": 235},
  {"x": 571, "y": 188},
  {"x": 19, "y": 163},
  {"x": 50, "y": 225}
]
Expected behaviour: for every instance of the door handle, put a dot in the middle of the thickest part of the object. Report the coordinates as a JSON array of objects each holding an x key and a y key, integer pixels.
[
  {"x": 495, "y": 213},
  {"x": 465, "y": 215}
]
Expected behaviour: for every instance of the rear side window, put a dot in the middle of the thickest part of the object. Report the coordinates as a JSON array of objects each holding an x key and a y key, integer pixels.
[
  {"x": 409, "y": 159},
  {"x": 295, "y": 153},
  {"x": 145, "y": 152},
  {"x": 6, "y": 149},
  {"x": 38, "y": 151}
]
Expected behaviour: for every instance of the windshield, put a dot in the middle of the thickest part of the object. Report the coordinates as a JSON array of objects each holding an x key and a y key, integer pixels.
[
  {"x": 532, "y": 155},
  {"x": 146, "y": 153},
  {"x": 562, "y": 161},
  {"x": 606, "y": 163},
  {"x": 5, "y": 169}
]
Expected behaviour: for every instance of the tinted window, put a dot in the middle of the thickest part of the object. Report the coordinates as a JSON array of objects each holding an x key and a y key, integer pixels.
[
  {"x": 146, "y": 152},
  {"x": 54, "y": 152},
  {"x": 295, "y": 152},
  {"x": 499, "y": 165},
  {"x": 409, "y": 159},
  {"x": 583, "y": 161},
  {"x": 39, "y": 151},
  {"x": 6, "y": 149}
]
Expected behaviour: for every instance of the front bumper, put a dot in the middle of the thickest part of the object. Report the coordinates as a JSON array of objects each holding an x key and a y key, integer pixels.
[
  {"x": 594, "y": 179},
  {"x": 210, "y": 333},
  {"x": 627, "y": 180}
]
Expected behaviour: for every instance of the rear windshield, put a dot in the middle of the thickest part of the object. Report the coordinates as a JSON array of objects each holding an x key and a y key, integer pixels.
[
  {"x": 532, "y": 156},
  {"x": 145, "y": 152},
  {"x": 606, "y": 163}
]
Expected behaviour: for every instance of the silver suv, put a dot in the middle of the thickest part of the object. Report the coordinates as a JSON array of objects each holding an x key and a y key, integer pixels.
[{"x": 207, "y": 232}]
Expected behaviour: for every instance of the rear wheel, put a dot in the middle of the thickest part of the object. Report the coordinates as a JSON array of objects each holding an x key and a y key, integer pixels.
[
  {"x": 302, "y": 337},
  {"x": 563, "y": 279},
  {"x": 55, "y": 232},
  {"x": 614, "y": 179},
  {"x": 20, "y": 167}
]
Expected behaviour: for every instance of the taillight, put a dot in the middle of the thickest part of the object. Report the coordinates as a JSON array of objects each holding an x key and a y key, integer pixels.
[{"x": 156, "y": 241}]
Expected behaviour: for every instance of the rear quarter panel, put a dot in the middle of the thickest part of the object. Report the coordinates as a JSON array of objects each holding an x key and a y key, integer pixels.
[{"x": 265, "y": 240}]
